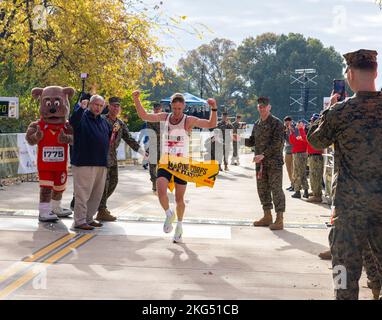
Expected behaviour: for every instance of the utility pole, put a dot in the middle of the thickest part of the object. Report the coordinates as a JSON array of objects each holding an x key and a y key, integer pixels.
[{"x": 202, "y": 81}]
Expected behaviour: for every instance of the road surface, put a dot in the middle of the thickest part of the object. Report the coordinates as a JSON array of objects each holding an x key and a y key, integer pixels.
[{"x": 223, "y": 256}]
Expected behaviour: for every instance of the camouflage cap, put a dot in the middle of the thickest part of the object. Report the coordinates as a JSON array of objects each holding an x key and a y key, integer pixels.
[
  {"x": 263, "y": 101},
  {"x": 362, "y": 59}
]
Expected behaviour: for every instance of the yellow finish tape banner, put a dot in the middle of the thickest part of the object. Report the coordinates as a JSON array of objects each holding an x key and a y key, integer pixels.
[{"x": 203, "y": 174}]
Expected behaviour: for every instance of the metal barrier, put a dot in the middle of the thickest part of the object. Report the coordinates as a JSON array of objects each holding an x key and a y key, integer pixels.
[{"x": 14, "y": 156}]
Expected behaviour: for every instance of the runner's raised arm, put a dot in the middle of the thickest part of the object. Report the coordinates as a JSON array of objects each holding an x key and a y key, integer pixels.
[
  {"x": 203, "y": 123},
  {"x": 149, "y": 117}
]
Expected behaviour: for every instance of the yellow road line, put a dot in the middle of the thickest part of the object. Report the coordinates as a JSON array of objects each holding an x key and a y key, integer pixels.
[
  {"x": 60, "y": 254},
  {"x": 49, "y": 248},
  {"x": 32, "y": 273},
  {"x": 17, "y": 284},
  {"x": 37, "y": 255}
]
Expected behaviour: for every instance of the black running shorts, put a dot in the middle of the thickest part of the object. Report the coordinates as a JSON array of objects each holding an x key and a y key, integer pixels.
[{"x": 165, "y": 174}]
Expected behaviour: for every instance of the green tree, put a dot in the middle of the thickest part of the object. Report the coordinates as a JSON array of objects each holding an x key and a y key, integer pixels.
[
  {"x": 267, "y": 62},
  {"x": 129, "y": 114},
  {"x": 161, "y": 82},
  {"x": 210, "y": 70}
]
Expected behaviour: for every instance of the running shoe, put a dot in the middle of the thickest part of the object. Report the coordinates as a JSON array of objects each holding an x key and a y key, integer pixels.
[
  {"x": 178, "y": 234},
  {"x": 167, "y": 227},
  {"x": 50, "y": 217},
  {"x": 62, "y": 213}
]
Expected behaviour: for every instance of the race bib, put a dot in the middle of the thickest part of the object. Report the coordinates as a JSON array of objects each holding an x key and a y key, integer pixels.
[
  {"x": 53, "y": 154},
  {"x": 175, "y": 148},
  {"x": 175, "y": 151}
]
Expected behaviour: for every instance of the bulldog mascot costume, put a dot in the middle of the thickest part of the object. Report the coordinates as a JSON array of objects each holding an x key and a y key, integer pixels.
[{"x": 52, "y": 133}]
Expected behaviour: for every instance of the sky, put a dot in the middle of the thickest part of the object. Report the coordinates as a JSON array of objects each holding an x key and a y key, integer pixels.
[{"x": 347, "y": 25}]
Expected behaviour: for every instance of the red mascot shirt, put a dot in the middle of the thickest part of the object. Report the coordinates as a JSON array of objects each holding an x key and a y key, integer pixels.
[{"x": 52, "y": 155}]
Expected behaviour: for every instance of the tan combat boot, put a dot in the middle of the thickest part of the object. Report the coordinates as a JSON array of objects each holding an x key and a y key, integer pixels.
[
  {"x": 279, "y": 223},
  {"x": 327, "y": 255},
  {"x": 376, "y": 293},
  {"x": 266, "y": 221},
  {"x": 105, "y": 215},
  {"x": 375, "y": 289},
  {"x": 315, "y": 199}
]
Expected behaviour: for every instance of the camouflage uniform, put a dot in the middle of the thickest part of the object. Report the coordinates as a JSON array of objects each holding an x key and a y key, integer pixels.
[
  {"x": 355, "y": 128},
  {"x": 316, "y": 173},
  {"x": 236, "y": 126},
  {"x": 268, "y": 139},
  {"x": 214, "y": 147},
  {"x": 373, "y": 269},
  {"x": 300, "y": 161},
  {"x": 288, "y": 156},
  {"x": 112, "y": 170},
  {"x": 155, "y": 126},
  {"x": 329, "y": 174},
  {"x": 225, "y": 127}
]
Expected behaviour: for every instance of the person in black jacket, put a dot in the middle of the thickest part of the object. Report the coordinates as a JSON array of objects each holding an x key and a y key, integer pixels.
[
  {"x": 84, "y": 102},
  {"x": 89, "y": 161}
]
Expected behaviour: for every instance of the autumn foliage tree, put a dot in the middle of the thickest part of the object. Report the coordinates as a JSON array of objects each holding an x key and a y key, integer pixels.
[
  {"x": 51, "y": 42},
  {"x": 161, "y": 82}
]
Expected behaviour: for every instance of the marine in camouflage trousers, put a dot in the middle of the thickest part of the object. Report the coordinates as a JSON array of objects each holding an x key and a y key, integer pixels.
[
  {"x": 372, "y": 268},
  {"x": 269, "y": 188},
  {"x": 328, "y": 179},
  {"x": 235, "y": 150},
  {"x": 154, "y": 166},
  {"x": 153, "y": 173},
  {"x": 300, "y": 161},
  {"x": 356, "y": 240},
  {"x": 316, "y": 172},
  {"x": 110, "y": 186}
]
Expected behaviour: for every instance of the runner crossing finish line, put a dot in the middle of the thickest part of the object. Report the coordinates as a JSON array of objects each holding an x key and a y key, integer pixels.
[
  {"x": 176, "y": 168},
  {"x": 203, "y": 174}
]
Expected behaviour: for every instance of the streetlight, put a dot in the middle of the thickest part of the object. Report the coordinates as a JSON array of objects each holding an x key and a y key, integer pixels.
[
  {"x": 202, "y": 81},
  {"x": 83, "y": 76}
]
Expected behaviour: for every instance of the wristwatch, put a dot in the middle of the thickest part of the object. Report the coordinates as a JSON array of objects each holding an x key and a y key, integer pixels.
[{"x": 214, "y": 110}]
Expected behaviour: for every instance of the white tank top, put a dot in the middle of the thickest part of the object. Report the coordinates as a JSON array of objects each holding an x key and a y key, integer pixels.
[{"x": 176, "y": 138}]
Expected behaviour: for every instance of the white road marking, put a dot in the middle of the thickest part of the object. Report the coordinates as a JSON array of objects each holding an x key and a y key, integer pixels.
[
  {"x": 120, "y": 228},
  {"x": 18, "y": 213}
]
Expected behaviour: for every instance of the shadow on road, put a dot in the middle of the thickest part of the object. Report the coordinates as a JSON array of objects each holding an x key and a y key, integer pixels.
[
  {"x": 299, "y": 242},
  {"x": 210, "y": 278},
  {"x": 126, "y": 250}
]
